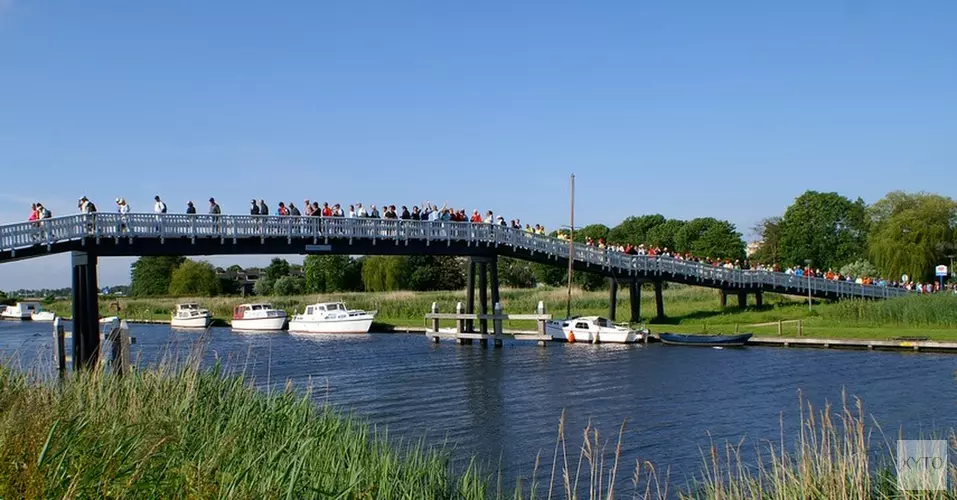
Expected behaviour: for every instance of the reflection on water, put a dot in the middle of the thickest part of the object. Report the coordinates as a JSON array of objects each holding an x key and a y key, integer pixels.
[{"x": 504, "y": 404}]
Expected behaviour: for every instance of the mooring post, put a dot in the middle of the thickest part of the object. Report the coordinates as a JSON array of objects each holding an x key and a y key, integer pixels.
[
  {"x": 780, "y": 327},
  {"x": 483, "y": 297},
  {"x": 460, "y": 325},
  {"x": 634, "y": 299},
  {"x": 59, "y": 347},
  {"x": 435, "y": 321},
  {"x": 86, "y": 326},
  {"x": 120, "y": 347},
  {"x": 470, "y": 296},
  {"x": 612, "y": 298},
  {"x": 497, "y": 322},
  {"x": 540, "y": 310},
  {"x": 659, "y": 302}
]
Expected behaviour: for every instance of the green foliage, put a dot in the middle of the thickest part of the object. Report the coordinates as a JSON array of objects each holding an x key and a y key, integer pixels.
[
  {"x": 515, "y": 273},
  {"x": 709, "y": 237},
  {"x": 194, "y": 279},
  {"x": 276, "y": 269},
  {"x": 912, "y": 233},
  {"x": 860, "y": 269},
  {"x": 288, "y": 285},
  {"x": 593, "y": 231},
  {"x": 938, "y": 310},
  {"x": 663, "y": 235},
  {"x": 382, "y": 273},
  {"x": 151, "y": 276},
  {"x": 263, "y": 286},
  {"x": 550, "y": 275},
  {"x": 332, "y": 273},
  {"x": 4, "y": 299},
  {"x": 635, "y": 229},
  {"x": 429, "y": 272},
  {"x": 826, "y": 228},
  {"x": 769, "y": 232}
]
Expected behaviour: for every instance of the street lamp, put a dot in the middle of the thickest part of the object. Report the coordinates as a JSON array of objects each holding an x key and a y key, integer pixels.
[{"x": 807, "y": 271}]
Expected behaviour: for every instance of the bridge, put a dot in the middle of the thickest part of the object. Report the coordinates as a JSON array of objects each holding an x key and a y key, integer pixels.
[{"x": 89, "y": 236}]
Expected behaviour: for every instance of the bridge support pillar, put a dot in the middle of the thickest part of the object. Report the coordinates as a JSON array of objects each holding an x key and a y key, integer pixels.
[
  {"x": 723, "y": 298},
  {"x": 612, "y": 298},
  {"x": 634, "y": 297},
  {"x": 659, "y": 302},
  {"x": 86, "y": 311},
  {"x": 759, "y": 298},
  {"x": 742, "y": 299},
  {"x": 470, "y": 296},
  {"x": 483, "y": 296},
  {"x": 493, "y": 281}
]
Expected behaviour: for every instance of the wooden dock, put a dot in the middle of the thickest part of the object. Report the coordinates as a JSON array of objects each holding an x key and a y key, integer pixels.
[
  {"x": 868, "y": 344},
  {"x": 463, "y": 336}
]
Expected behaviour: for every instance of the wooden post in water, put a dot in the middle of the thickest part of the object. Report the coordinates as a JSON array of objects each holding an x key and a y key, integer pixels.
[
  {"x": 497, "y": 324},
  {"x": 435, "y": 321},
  {"x": 541, "y": 322},
  {"x": 59, "y": 347},
  {"x": 461, "y": 325}
]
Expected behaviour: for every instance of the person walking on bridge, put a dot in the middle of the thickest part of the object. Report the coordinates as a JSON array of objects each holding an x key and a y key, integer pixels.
[{"x": 253, "y": 208}]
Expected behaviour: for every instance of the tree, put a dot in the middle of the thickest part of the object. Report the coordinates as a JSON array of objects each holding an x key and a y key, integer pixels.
[
  {"x": 264, "y": 286},
  {"x": 550, "y": 275},
  {"x": 826, "y": 228},
  {"x": 429, "y": 272},
  {"x": 515, "y": 273},
  {"x": 663, "y": 235},
  {"x": 860, "y": 269},
  {"x": 911, "y": 234},
  {"x": 151, "y": 275},
  {"x": 382, "y": 273},
  {"x": 193, "y": 278},
  {"x": 768, "y": 231},
  {"x": 593, "y": 231},
  {"x": 288, "y": 285},
  {"x": 276, "y": 269},
  {"x": 635, "y": 230},
  {"x": 709, "y": 237},
  {"x": 332, "y": 273},
  {"x": 234, "y": 269}
]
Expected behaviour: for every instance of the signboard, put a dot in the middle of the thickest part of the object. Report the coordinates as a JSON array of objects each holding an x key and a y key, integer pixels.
[
  {"x": 318, "y": 248},
  {"x": 941, "y": 270}
]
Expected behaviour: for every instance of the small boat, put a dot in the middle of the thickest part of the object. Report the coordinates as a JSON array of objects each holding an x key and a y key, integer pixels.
[
  {"x": 736, "y": 340},
  {"x": 41, "y": 315},
  {"x": 594, "y": 329},
  {"x": 258, "y": 317},
  {"x": 331, "y": 317},
  {"x": 109, "y": 320},
  {"x": 22, "y": 311},
  {"x": 190, "y": 315}
]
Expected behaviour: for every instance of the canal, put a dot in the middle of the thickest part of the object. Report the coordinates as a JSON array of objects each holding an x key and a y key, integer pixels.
[{"x": 504, "y": 405}]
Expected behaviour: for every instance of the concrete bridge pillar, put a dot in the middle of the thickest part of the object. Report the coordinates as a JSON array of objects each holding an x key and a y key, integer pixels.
[
  {"x": 659, "y": 302},
  {"x": 612, "y": 298},
  {"x": 86, "y": 311},
  {"x": 759, "y": 298},
  {"x": 634, "y": 297}
]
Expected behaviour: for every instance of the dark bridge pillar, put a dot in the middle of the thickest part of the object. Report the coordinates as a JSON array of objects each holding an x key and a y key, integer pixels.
[
  {"x": 634, "y": 297},
  {"x": 483, "y": 296},
  {"x": 612, "y": 298},
  {"x": 724, "y": 298},
  {"x": 659, "y": 302},
  {"x": 759, "y": 298},
  {"x": 742, "y": 299},
  {"x": 470, "y": 296},
  {"x": 86, "y": 311},
  {"x": 493, "y": 281}
]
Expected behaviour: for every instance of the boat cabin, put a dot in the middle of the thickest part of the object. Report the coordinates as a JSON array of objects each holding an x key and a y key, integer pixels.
[
  {"x": 190, "y": 310},
  {"x": 254, "y": 310},
  {"x": 321, "y": 308},
  {"x": 588, "y": 322},
  {"x": 22, "y": 309}
]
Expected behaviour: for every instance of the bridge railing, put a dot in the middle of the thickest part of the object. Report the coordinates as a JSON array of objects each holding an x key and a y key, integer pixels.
[{"x": 82, "y": 227}]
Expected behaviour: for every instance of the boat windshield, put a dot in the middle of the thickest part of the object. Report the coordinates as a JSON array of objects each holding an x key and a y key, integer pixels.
[{"x": 601, "y": 322}]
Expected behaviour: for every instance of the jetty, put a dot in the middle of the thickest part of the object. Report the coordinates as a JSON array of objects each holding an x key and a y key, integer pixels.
[{"x": 464, "y": 332}]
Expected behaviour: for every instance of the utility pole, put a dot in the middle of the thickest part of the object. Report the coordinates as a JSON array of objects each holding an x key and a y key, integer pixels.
[{"x": 571, "y": 249}]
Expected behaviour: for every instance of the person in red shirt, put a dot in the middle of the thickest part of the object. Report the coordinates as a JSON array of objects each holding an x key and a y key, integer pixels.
[
  {"x": 476, "y": 217},
  {"x": 326, "y": 211}
]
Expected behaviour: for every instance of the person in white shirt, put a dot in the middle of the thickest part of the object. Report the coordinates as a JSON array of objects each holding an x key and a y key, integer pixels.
[
  {"x": 123, "y": 208},
  {"x": 360, "y": 211},
  {"x": 159, "y": 207}
]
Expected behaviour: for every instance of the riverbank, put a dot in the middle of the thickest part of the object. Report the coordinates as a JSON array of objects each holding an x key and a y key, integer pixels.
[{"x": 688, "y": 310}]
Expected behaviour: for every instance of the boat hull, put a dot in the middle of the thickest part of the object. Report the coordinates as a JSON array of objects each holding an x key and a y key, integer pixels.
[
  {"x": 196, "y": 322},
  {"x": 260, "y": 324},
  {"x": 16, "y": 316},
  {"x": 331, "y": 326},
  {"x": 705, "y": 340},
  {"x": 557, "y": 332},
  {"x": 43, "y": 316}
]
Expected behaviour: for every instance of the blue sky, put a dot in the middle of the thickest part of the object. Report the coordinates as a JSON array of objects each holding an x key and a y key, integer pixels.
[{"x": 724, "y": 109}]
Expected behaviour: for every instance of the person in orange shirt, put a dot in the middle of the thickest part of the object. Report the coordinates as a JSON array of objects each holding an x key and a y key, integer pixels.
[{"x": 476, "y": 217}]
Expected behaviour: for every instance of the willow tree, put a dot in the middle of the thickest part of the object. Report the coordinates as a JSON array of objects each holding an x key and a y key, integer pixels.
[{"x": 911, "y": 234}]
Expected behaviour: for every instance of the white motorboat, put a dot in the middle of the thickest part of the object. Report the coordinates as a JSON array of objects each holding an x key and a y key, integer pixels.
[
  {"x": 331, "y": 317},
  {"x": 593, "y": 329},
  {"x": 258, "y": 317},
  {"x": 21, "y": 311},
  {"x": 190, "y": 315},
  {"x": 41, "y": 315}
]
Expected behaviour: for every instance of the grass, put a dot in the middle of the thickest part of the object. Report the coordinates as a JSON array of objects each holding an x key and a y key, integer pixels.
[
  {"x": 184, "y": 433},
  {"x": 688, "y": 309}
]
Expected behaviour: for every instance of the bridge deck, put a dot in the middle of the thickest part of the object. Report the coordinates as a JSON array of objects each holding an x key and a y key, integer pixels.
[{"x": 107, "y": 234}]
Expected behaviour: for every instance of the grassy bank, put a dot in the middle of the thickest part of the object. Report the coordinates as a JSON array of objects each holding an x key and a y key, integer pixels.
[
  {"x": 689, "y": 309},
  {"x": 186, "y": 434}
]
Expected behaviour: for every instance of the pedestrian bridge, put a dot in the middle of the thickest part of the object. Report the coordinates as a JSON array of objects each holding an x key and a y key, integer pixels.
[{"x": 108, "y": 234}]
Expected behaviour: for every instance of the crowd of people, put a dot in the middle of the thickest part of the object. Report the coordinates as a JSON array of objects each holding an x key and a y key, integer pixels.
[{"x": 432, "y": 212}]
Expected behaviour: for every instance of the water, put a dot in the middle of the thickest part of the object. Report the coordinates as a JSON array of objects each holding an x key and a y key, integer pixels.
[{"x": 503, "y": 405}]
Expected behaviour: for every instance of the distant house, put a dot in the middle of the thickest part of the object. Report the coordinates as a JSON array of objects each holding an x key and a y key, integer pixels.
[{"x": 753, "y": 247}]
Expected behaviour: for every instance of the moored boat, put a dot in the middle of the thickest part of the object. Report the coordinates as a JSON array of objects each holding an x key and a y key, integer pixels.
[
  {"x": 331, "y": 317},
  {"x": 593, "y": 329},
  {"x": 258, "y": 317},
  {"x": 190, "y": 315},
  {"x": 41, "y": 315},
  {"x": 736, "y": 340},
  {"x": 22, "y": 311}
]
